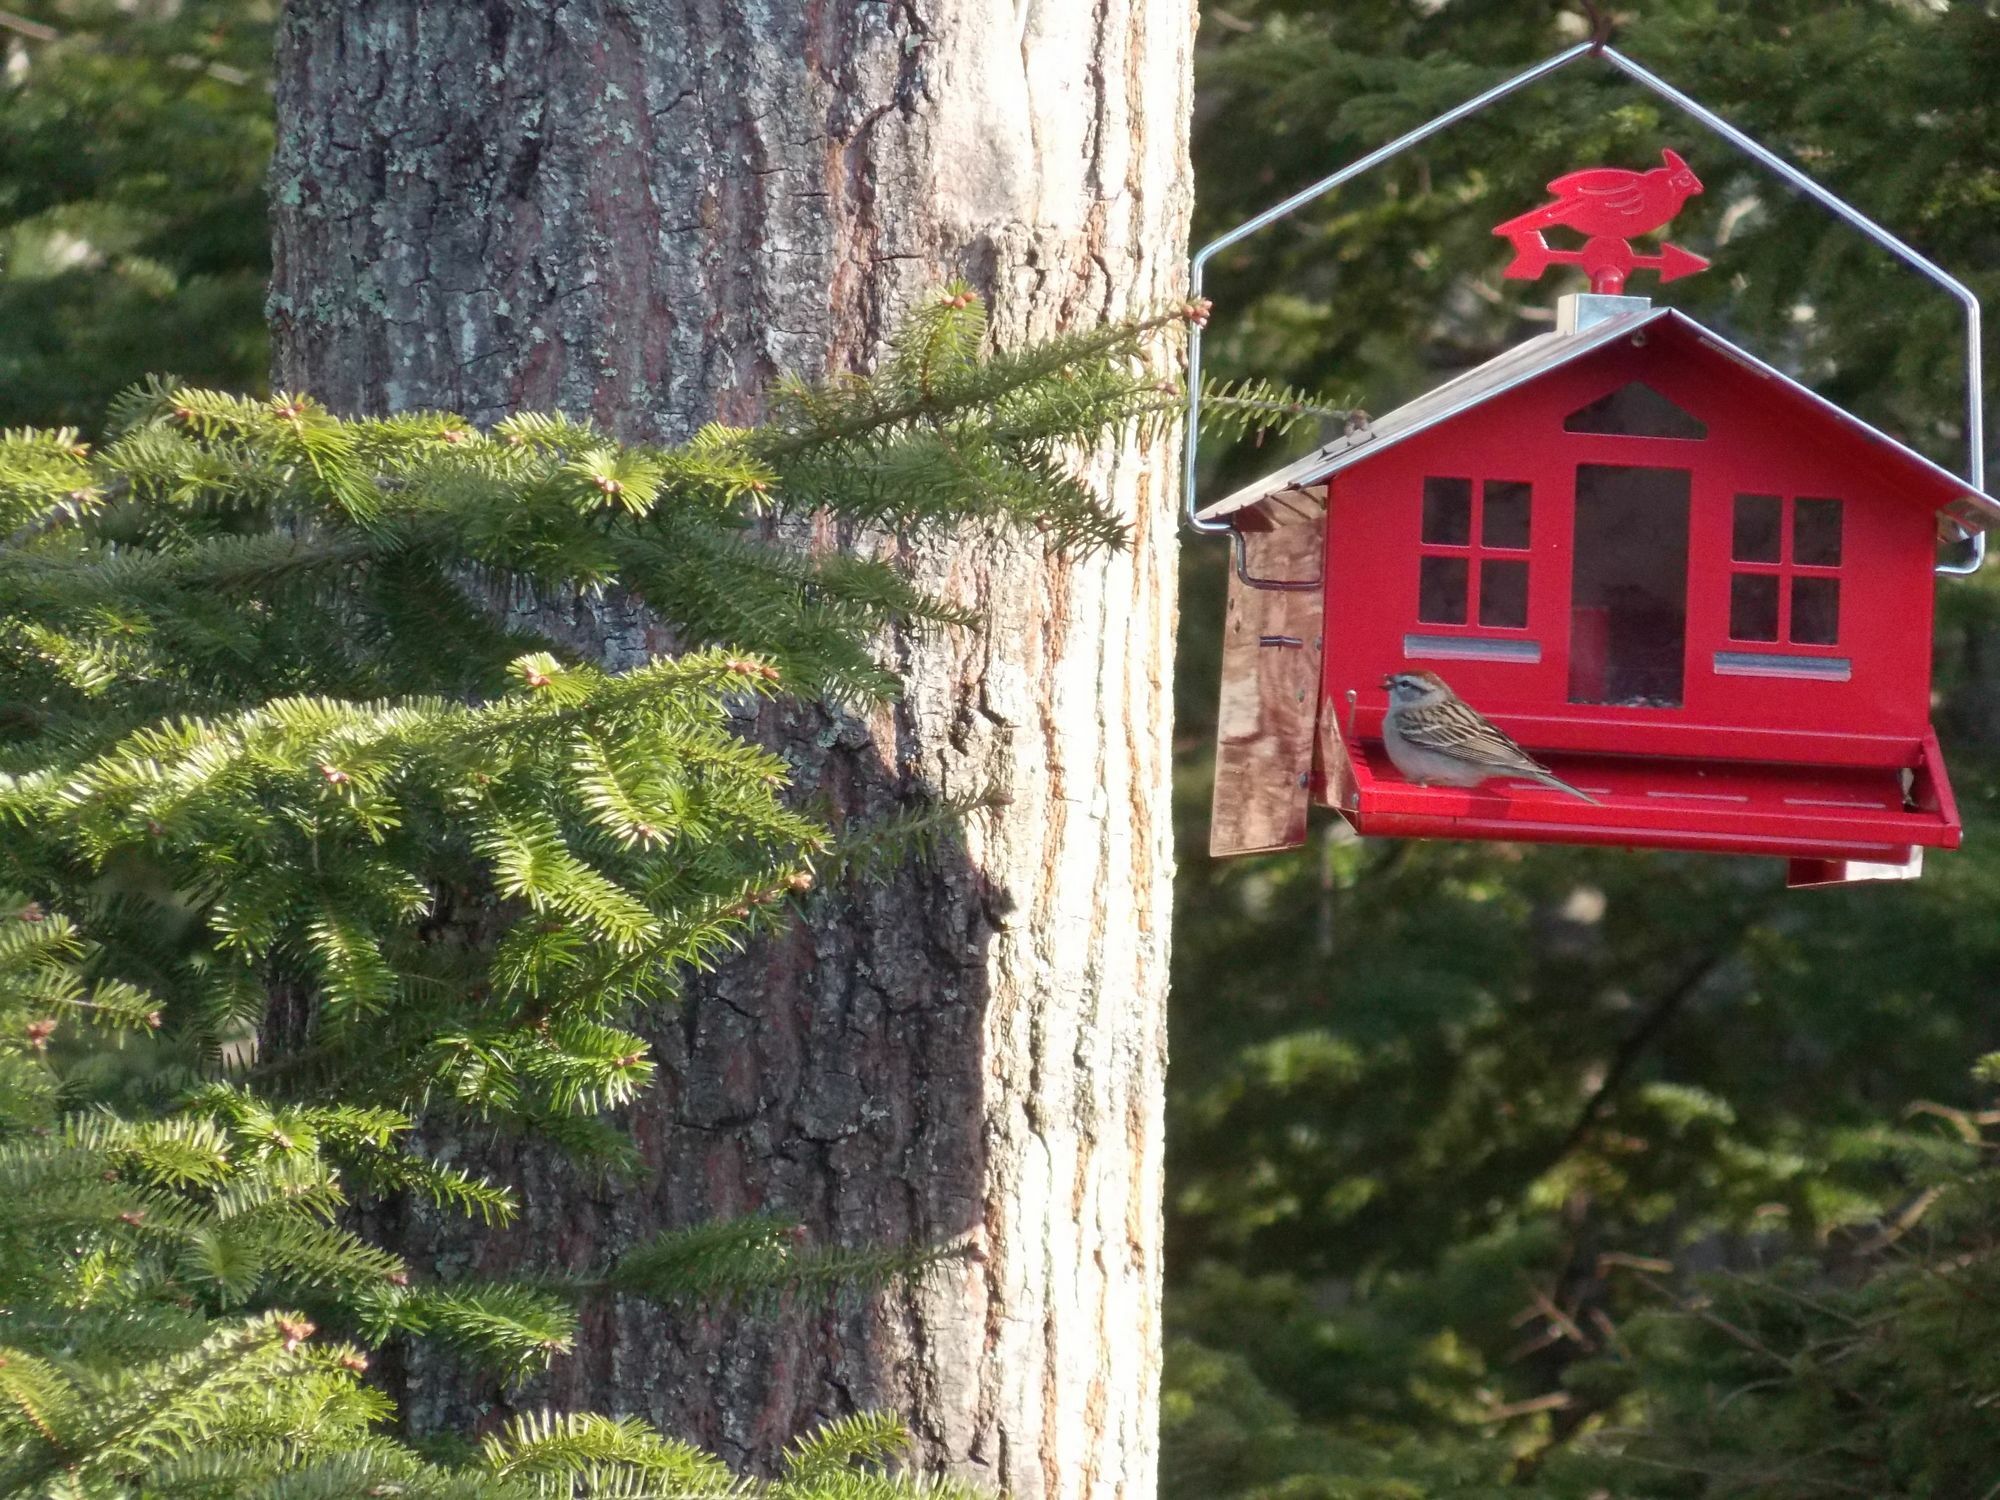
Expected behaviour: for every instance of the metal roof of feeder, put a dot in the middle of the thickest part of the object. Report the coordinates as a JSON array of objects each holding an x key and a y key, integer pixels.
[{"x": 1957, "y": 500}]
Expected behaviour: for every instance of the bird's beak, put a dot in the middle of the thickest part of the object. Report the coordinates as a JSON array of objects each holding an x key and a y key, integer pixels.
[{"x": 1387, "y": 683}]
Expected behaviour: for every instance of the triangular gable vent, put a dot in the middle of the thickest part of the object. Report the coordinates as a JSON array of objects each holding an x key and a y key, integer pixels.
[{"x": 1635, "y": 410}]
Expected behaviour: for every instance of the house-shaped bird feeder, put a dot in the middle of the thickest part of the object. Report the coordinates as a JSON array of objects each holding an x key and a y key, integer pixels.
[{"x": 1688, "y": 586}]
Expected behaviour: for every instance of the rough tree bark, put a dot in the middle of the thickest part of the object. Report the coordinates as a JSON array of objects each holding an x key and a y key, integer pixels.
[{"x": 641, "y": 210}]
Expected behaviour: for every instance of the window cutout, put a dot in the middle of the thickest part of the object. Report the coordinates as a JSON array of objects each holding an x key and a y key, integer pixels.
[
  {"x": 1635, "y": 410},
  {"x": 1757, "y": 533},
  {"x": 1503, "y": 594},
  {"x": 1816, "y": 532},
  {"x": 1628, "y": 624},
  {"x": 1753, "y": 606},
  {"x": 1815, "y": 611},
  {"x": 1441, "y": 591},
  {"x": 1448, "y": 512},
  {"x": 1503, "y": 516}
]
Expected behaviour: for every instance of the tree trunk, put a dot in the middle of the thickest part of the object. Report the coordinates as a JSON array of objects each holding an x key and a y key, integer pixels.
[{"x": 641, "y": 211}]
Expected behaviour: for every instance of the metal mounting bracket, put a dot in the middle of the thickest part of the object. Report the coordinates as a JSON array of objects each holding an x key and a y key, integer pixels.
[{"x": 1975, "y": 427}]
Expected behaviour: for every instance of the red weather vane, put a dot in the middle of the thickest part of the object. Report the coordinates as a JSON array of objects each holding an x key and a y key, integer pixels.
[{"x": 1607, "y": 205}]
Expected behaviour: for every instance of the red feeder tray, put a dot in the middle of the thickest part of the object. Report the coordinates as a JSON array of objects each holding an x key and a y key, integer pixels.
[{"x": 1820, "y": 817}]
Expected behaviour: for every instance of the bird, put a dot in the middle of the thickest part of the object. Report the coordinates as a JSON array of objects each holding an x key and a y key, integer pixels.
[
  {"x": 1433, "y": 736},
  {"x": 1611, "y": 201}
]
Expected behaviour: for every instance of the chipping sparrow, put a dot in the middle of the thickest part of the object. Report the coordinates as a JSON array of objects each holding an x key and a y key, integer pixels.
[{"x": 1435, "y": 737}]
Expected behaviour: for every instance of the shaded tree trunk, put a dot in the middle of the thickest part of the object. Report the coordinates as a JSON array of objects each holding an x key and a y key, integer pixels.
[{"x": 641, "y": 211}]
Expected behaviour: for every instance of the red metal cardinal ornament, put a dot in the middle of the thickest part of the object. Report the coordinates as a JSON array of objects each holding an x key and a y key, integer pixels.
[{"x": 1607, "y": 205}]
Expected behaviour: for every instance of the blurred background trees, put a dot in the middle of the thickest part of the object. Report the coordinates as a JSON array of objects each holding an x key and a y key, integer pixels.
[
  {"x": 1493, "y": 1170},
  {"x": 133, "y": 234}
]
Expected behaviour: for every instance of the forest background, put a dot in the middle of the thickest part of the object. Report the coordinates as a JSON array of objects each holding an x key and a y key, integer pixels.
[{"x": 1488, "y": 1166}]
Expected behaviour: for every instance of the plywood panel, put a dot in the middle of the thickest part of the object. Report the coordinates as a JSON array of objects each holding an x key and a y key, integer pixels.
[{"x": 1271, "y": 647}]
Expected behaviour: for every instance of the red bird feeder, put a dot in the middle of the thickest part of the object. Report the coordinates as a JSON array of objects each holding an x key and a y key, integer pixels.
[{"x": 1683, "y": 582}]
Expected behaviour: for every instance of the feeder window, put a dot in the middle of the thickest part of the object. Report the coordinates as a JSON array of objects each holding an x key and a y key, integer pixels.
[
  {"x": 1503, "y": 594},
  {"x": 1815, "y": 611},
  {"x": 1503, "y": 517},
  {"x": 1447, "y": 512},
  {"x": 1753, "y": 607},
  {"x": 1635, "y": 410},
  {"x": 1442, "y": 591},
  {"x": 1468, "y": 570},
  {"x": 1816, "y": 532},
  {"x": 1785, "y": 581},
  {"x": 1759, "y": 534}
]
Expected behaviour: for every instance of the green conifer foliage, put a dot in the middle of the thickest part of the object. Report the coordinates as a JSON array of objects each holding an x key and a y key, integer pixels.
[
  {"x": 302, "y": 810},
  {"x": 1869, "y": 1368}
]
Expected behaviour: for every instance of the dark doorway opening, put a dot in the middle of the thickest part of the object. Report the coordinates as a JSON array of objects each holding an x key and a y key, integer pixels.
[{"x": 1628, "y": 594}]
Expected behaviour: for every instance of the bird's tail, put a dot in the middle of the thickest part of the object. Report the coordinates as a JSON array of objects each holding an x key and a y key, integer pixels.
[
  {"x": 1556, "y": 783},
  {"x": 1543, "y": 217}
]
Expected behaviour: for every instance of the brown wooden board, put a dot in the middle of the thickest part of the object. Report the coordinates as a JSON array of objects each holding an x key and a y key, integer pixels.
[
  {"x": 1271, "y": 647},
  {"x": 1333, "y": 769}
]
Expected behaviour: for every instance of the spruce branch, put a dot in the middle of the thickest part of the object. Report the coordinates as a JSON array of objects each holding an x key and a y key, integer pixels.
[
  {"x": 833, "y": 1450},
  {"x": 557, "y": 1447},
  {"x": 1235, "y": 409},
  {"x": 758, "y": 1263}
]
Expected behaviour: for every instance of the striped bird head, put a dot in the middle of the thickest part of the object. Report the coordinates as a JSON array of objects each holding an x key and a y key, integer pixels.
[{"x": 1415, "y": 689}]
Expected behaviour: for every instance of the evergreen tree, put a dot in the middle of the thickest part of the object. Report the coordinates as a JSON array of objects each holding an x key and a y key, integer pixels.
[
  {"x": 1865, "y": 1367},
  {"x": 347, "y": 852}
]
